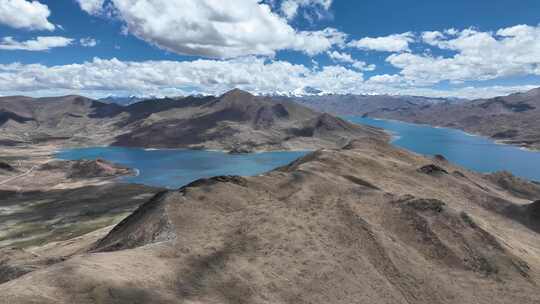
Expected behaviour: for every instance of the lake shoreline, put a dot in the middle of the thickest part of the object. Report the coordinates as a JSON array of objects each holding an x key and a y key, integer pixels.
[
  {"x": 173, "y": 168},
  {"x": 497, "y": 141},
  {"x": 473, "y": 151}
]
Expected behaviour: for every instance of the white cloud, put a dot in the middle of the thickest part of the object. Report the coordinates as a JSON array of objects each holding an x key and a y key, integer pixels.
[
  {"x": 101, "y": 77},
  {"x": 22, "y": 14},
  {"x": 289, "y": 8},
  {"x": 478, "y": 56},
  {"x": 343, "y": 57},
  {"x": 37, "y": 44},
  {"x": 431, "y": 37},
  {"x": 153, "y": 77},
  {"x": 216, "y": 28},
  {"x": 92, "y": 7},
  {"x": 363, "y": 66},
  {"x": 315, "y": 42},
  {"x": 347, "y": 58},
  {"x": 391, "y": 43},
  {"x": 386, "y": 79},
  {"x": 88, "y": 42}
]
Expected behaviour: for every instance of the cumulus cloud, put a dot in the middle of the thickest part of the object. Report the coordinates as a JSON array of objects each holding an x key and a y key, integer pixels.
[
  {"x": 391, "y": 43},
  {"x": 347, "y": 58},
  {"x": 37, "y": 44},
  {"x": 88, "y": 42},
  {"x": 22, "y": 14},
  {"x": 431, "y": 37},
  {"x": 511, "y": 51},
  {"x": 101, "y": 77},
  {"x": 289, "y": 8},
  {"x": 152, "y": 77},
  {"x": 216, "y": 28},
  {"x": 92, "y": 7}
]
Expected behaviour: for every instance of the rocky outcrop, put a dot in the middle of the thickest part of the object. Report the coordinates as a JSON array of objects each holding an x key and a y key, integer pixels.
[{"x": 432, "y": 170}]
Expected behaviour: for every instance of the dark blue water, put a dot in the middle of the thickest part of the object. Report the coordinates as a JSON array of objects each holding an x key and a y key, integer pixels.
[
  {"x": 473, "y": 152},
  {"x": 175, "y": 168}
]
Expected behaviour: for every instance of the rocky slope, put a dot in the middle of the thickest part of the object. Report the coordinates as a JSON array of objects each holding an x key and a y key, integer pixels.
[
  {"x": 369, "y": 223},
  {"x": 236, "y": 120},
  {"x": 512, "y": 119}
]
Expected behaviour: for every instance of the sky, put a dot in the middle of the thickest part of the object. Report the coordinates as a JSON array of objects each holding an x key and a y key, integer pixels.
[{"x": 98, "y": 48}]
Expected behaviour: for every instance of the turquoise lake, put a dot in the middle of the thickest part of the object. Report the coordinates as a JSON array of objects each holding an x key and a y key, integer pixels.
[
  {"x": 473, "y": 152},
  {"x": 175, "y": 168}
]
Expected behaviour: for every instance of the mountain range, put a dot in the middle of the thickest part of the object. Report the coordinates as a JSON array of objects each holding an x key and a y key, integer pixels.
[
  {"x": 360, "y": 105},
  {"x": 511, "y": 119},
  {"x": 235, "y": 121}
]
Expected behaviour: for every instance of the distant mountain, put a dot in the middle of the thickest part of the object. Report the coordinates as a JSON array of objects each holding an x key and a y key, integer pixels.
[
  {"x": 360, "y": 105},
  {"x": 239, "y": 121},
  {"x": 124, "y": 101},
  {"x": 512, "y": 119},
  {"x": 235, "y": 121}
]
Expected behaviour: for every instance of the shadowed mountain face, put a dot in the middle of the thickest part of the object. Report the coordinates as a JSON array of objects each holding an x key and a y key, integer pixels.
[
  {"x": 6, "y": 116},
  {"x": 512, "y": 119},
  {"x": 236, "y": 120},
  {"x": 369, "y": 223}
]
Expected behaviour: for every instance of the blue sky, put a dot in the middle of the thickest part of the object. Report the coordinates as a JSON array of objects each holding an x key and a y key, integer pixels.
[{"x": 177, "y": 47}]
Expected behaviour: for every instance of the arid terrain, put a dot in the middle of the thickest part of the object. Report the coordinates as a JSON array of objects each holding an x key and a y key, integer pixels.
[
  {"x": 357, "y": 221},
  {"x": 369, "y": 223}
]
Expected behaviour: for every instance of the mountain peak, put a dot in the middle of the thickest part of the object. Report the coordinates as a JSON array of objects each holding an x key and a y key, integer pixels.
[{"x": 237, "y": 93}]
